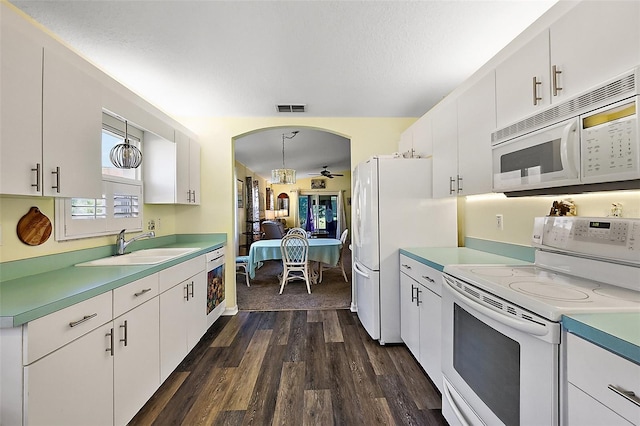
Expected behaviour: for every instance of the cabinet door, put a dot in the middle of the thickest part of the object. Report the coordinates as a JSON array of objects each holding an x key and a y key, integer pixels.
[
  {"x": 514, "y": 81},
  {"x": 585, "y": 411},
  {"x": 194, "y": 171},
  {"x": 430, "y": 333},
  {"x": 196, "y": 309},
  {"x": 71, "y": 129},
  {"x": 422, "y": 137},
  {"x": 445, "y": 150},
  {"x": 73, "y": 385},
  {"x": 136, "y": 360},
  {"x": 21, "y": 115},
  {"x": 594, "y": 42},
  {"x": 476, "y": 121},
  {"x": 409, "y": 315},
  {"x": 183, "y": 187},
  {"x": 173, "y": 320}
]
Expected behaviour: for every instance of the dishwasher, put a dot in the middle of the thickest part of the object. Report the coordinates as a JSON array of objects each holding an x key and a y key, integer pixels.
[{"x": 215, "y": 285}]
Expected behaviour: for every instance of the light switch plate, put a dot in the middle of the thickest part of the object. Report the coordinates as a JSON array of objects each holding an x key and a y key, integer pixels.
[{"x": 499, "y": 222}]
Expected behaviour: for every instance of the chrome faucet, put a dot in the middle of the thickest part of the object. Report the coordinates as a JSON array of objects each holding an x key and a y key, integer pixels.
[{"x": 121, "y": 244}]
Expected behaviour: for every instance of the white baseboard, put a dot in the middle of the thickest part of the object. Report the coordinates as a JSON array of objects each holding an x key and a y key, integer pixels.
[{"x": 230, "y": 311}]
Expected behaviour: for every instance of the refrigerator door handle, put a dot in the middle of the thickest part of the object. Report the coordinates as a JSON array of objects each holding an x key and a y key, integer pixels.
[{"x": 359, "y": 271}]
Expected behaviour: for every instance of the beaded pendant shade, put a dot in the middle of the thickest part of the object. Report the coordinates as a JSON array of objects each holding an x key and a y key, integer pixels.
[
  {"x": 284, "y": 176},
  {"x": 124, "y": 155}
]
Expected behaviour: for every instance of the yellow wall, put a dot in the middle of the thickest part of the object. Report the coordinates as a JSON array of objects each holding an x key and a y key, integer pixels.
[{"x": 479, "y": 213}]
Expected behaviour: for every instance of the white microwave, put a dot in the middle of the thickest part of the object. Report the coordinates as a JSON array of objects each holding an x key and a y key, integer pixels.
[{"x": 598, "y": 146}]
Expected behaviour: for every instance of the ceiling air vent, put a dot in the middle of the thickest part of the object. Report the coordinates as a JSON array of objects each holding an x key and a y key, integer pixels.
[{"x": 291, "y": 108}]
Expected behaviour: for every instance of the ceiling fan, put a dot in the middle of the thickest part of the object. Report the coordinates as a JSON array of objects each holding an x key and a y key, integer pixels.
[{"x": 326, "y": 173}]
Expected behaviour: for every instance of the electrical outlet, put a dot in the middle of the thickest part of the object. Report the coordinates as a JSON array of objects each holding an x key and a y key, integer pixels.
[
  {"x": 499, "y": 222},
  {"x": 151, "y": 225}
]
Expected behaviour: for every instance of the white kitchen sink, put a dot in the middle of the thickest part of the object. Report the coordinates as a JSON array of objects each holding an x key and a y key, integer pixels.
[{"x": 141, "y": 257}]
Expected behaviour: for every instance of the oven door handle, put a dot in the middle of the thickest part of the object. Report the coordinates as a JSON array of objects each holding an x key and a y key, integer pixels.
[
  {"x": 506, "y": 319},
  {"x": 457, "y": 411}
]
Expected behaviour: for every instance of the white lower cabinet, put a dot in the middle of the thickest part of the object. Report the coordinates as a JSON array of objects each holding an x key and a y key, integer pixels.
[
  {"x": 183, "y": 316},
  {"x": 420, "y": 323},
  {"x": 136, "y": 359},
  {"x": 602, "y": 388},
  {"x": 73, "y": 385}
]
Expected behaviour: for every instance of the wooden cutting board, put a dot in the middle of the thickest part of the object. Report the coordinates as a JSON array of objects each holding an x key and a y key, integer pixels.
[{"x": 34, "y": 228}]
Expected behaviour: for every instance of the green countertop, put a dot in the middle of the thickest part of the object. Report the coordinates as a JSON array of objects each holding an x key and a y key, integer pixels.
[
  {"x": 27, "y": 296},
  {"x": 439, "y": 257},
  {"x": 616, "y": 332}
]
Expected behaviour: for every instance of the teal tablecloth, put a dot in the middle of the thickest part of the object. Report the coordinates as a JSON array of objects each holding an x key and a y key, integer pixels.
[{"x": 325, "y": 250}]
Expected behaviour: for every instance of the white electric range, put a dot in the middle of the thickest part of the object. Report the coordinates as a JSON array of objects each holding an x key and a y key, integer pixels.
[{"x": 501, "y": 330}]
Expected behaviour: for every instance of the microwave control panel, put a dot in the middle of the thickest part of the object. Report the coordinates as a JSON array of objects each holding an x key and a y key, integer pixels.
[
  {"x": 607, "y": 237},
  {"x": 610, "y": 144}
]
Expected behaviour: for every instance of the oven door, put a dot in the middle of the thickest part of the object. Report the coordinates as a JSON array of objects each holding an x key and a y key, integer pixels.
[
  {"x": 546, "y": 158},
  {"x": 498, "y": 368}
]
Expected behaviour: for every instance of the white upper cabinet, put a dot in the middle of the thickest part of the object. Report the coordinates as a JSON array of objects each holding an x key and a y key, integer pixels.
[
  {"x": 171, "y": 170},
  {"x": 188, "y": 170},
  {"x": 21, "y": 112},
  {"x": 523, "y": 81},
  {"x": 50, "y": 135},
  {"x": 476, "y": 121},
  {"x": 71, "y": 130},
  {"x": 445, "y": 149},
  {"x": 417, "y": 140},
  {"x": 591, "y": 43},
  {"x": 594, "y": 42}
]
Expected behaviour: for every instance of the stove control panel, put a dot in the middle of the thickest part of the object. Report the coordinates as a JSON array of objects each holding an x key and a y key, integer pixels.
[{"x": 607, "y": 238}]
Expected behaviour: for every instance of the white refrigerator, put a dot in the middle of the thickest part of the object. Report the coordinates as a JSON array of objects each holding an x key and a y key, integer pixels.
[{"x": 392, "y": 208}]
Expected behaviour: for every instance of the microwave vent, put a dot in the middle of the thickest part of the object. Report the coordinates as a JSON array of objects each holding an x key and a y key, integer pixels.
[{"x": 610, "y": 92}]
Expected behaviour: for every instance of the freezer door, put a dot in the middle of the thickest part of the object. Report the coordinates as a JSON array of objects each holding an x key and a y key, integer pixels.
[
  {"x": 368, "y": 298},
  {"x": 365, "y": 214}
]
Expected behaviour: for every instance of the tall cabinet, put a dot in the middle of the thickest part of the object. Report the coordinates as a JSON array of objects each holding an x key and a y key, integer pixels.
[{"x": 52, "y": 118}]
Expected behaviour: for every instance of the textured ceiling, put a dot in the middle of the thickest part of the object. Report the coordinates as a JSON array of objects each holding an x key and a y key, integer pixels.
[{"x": 241, "y": 58}]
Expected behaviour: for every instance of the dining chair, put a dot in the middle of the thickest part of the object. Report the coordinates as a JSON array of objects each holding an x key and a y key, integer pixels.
[
  {"x": 340, "y": 264},
  {"x": 297, "y": 231},
  {"x": 295, "y": 259},
  {"x": 242, "y": 262}
]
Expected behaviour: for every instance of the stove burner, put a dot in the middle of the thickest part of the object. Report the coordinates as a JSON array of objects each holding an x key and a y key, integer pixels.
[
  {"x": 503, "y": 272},
  {"x": 551, "y": 291},
  {"x": 619, "y": 293}
]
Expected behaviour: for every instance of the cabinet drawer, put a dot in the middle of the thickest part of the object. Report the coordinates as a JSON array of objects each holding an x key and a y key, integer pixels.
[
  {"x": 178, "y": 273},
  {"x": 593, "y": 369},
  {"x": 422, "y": 273},
  {"x": 50, "y": 332},
  {"x": 133, "y": 294}
]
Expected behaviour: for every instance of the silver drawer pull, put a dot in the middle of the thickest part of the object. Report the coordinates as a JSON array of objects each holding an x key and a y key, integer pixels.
[
  {"x": 431, "y": 280},
  {"x": 405, "y": 266},
  {"x": 110, "y": 336},
  {"x": 140, "y": 293},
  {"x": 628, "y": 395},
  {"x": 84, "y": 318},
  {"x": 125, "y": 340}
]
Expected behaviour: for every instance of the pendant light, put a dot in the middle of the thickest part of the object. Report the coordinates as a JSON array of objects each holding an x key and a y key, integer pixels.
[
  {"x": 124, "y": 155},
  {"x": 284, "y": 176}
]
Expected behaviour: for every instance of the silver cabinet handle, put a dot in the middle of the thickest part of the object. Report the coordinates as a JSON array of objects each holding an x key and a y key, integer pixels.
[
  {"x": 418, "y": 301},
  {"x": 451, "y": 182},
  {"x": 84, "y": 318},
  {"x": 554, "y": 72},
  {"x": 110, "y": 335},
  {"x": 192, "y": 289},
  {"x": 536, "y": 98},
  {"x": 628, "y": 395},
  {"x": 405, "y": 266},
  {"x": 38, "y": 171},
  {"x": 140, "y": 293},
  {"x": 459, "y": 183},
  {"x": 124, "y": 340},
  {"x": 413, "y": 288},
  {"x": 431, "y": 280},
  {"x": 57, "y": 185},
  {"x": 186, "y": 287},
  {"x": 194, "y": 196}
]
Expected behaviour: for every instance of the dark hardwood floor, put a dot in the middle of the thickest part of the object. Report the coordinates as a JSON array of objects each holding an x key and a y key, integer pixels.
[{"x": 294, "y": 368}]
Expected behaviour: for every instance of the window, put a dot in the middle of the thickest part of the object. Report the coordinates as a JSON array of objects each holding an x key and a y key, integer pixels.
[{"x": 121, "y": 204}]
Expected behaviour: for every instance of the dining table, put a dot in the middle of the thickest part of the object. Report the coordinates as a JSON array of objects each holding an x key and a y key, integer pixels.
[{"x": 324, "y": 250}]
